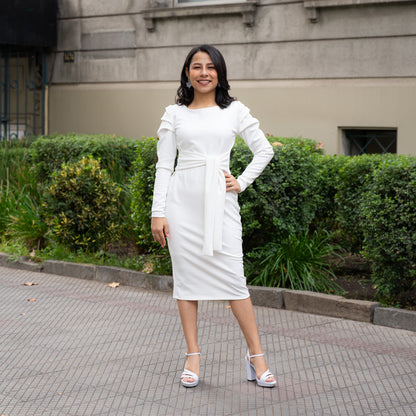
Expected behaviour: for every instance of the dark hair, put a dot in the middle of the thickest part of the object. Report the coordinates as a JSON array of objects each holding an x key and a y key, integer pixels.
[{"x": 185, "y": 95}]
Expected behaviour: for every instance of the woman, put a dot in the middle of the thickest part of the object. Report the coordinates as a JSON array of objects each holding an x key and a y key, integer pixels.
[{"x": 196, "y": 207}]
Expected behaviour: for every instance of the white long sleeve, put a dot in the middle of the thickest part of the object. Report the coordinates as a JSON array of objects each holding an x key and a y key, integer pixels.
[
  {"x": 255, "y": 139},
  {"x": 166, "y": 153}
]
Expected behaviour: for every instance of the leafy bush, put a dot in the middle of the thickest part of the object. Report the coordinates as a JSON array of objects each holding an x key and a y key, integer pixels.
[
  {"x": 283, "y": 199},
  {"x": 81, "y": 204},
  {"x": 389, "y": 225},
  {"x": 298, "y": 262},
  {"x": 352, "y": 182},
  {"x": 142, "y": 190},
  {"x": 326, "y": 211},
  {"x": 116, "y": 154}
]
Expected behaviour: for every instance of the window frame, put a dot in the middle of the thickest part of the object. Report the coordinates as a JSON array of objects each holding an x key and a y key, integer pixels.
[{"x": 347, "y": 143}]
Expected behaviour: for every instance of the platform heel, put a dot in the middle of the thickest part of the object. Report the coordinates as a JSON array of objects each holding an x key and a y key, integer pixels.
[
  {"x": 251, "y": 372},
  {"x": 189, "y": 374}
]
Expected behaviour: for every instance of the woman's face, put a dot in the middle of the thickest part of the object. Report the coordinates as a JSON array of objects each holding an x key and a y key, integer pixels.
[{"x": 202, "y": 74}]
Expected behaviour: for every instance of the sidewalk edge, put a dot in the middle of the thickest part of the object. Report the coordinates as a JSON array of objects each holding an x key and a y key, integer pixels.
[{"x": 295, "y": 300}]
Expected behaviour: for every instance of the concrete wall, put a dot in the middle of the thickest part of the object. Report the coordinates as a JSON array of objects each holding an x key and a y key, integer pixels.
[
  {"x": 313, "y": 109},
  {"x": 354, "y": 67}
]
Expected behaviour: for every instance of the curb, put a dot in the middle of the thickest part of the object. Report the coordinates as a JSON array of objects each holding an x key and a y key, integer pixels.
[
  {"x": 395, "y": 318},
  {"x": 295, "y": 300},
  {"x": 108, "y": 274},
  {"x": 22, "y": 263},
  {"x": 330, "y": 305}
]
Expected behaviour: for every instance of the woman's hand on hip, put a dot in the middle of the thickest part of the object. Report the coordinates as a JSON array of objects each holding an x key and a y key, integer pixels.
[
  {"x": 231, "y": 183},
  {"x": 160, "y": 230}
]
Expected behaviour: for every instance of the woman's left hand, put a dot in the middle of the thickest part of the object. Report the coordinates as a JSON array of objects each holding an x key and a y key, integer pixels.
[{"x": 231, "y": 183}]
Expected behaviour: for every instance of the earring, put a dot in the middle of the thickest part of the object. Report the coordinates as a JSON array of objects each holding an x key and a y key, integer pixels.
[
  {"x": 188, "y": 84},
  {"x": 218, "y": 85}
]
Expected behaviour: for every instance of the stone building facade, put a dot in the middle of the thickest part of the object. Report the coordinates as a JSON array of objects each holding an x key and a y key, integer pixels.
[{"x": 342, "y": 72}]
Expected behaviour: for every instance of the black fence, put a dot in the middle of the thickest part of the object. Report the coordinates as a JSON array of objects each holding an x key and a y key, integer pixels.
[{"x": 23, "y": 81}]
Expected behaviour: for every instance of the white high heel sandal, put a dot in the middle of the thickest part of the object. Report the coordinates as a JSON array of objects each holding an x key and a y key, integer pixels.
[
  {"x": 189, "y": 374},
  {"x": 251, "y": 372}
]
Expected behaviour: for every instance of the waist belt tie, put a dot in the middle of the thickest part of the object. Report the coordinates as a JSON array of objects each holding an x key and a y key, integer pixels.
[{"x": 214, "y": 194}]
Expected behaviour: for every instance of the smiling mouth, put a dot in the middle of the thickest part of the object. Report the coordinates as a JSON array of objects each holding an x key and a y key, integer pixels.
[{"x": 204, "y": 82}]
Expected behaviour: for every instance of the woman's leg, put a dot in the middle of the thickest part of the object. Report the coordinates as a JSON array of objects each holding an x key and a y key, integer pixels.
[
  {"x": 243, "y": 311},
  {"x": 188, "y": 311}
]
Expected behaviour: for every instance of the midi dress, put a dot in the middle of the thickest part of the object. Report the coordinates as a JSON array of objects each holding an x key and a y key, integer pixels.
[{"x": 205, "y": 242}]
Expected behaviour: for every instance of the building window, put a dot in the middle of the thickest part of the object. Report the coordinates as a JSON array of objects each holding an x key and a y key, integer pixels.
[{"x": 364, "y": 141}]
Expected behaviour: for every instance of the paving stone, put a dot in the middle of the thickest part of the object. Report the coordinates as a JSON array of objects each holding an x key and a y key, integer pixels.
[{"x": 83, "y": 348}]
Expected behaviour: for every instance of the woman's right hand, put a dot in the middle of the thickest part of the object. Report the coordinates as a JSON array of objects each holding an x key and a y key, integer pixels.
[{"x": 160, "y": 230}]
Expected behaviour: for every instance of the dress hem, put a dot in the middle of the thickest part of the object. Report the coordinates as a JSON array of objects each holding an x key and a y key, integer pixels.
[{"x": 202, "y": 298}]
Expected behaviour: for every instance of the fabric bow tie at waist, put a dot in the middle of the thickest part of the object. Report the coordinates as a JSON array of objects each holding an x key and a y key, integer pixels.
[{"x": 214, "y": 194}]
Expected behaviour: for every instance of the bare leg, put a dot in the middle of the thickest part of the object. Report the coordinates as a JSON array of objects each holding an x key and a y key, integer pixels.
[
  {"x": 243, "y": 311},
  {"x": 188, "y": 311}
]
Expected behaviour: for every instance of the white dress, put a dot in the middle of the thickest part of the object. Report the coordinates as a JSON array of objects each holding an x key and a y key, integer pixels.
[{"x": 205, "y": 241}]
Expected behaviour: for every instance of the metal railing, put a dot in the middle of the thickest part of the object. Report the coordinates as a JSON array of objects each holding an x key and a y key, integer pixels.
[
  {"x": 23, "y": 80},
  {"x": 370, "y": 141}
]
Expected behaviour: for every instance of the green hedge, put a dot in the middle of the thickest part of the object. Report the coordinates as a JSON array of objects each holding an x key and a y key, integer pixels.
[
  {"x": 351, "y": 183},
  {"x": 142, "y": 190},
  {"x": 326, "y": 211},
  {"x": 116, "y": 154},
  {"x": 389, "y": 225},
  {"x": 283, "y": 199}
]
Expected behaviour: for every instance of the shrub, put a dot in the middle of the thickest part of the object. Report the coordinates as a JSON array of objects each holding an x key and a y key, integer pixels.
[
  {"x": 82, "y": 205},
  {"x": 116, "y": 154},
  {"x": 298, "y": 262},
  {"x": 283, "y": 199},
  {"x": 142, "y": 190},
  {"x": 389, "y": 213},
  {"x": 326, "y": 211},
  {"x": 352, "y": 182}
]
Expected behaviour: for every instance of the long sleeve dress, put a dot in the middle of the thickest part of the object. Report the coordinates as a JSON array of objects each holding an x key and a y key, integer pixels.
[{"x": 205, "y": 242}]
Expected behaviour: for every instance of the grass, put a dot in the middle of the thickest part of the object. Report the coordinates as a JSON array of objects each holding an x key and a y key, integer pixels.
[{"x": 299, "y": 262}]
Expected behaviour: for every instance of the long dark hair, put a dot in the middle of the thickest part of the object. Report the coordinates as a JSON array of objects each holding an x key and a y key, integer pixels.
[{"x": 185, "y": 95}]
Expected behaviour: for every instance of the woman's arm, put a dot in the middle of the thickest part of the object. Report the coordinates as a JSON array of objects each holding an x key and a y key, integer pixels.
[
  {"x": 166, "y": 154},
  {"x": 249, "y": 130}
]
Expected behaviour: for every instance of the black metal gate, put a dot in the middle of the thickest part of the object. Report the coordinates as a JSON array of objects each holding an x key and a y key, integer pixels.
[{"x": 23, "y": 81}]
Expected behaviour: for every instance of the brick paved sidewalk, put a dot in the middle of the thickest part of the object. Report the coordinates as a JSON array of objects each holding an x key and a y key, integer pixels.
[{"x": 83, "y": 348}]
